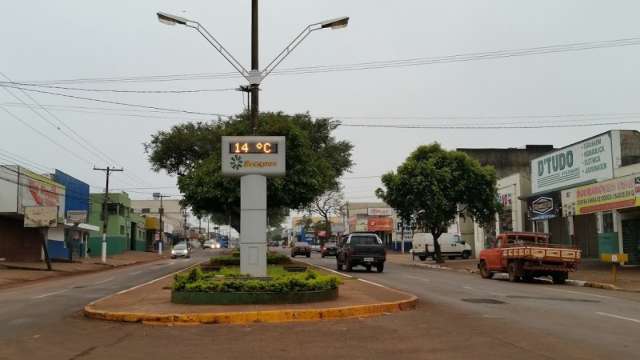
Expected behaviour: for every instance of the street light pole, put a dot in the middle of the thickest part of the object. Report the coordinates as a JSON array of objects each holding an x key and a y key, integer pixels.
[{"x": 255, "y": 67}]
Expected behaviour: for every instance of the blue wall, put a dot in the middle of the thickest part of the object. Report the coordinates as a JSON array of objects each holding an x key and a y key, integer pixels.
[{"x": 77, "y": 192}]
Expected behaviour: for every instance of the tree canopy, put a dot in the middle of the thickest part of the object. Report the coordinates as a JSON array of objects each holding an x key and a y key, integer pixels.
[
  {"x": 433, "y": 185},
  {"x": 191, "y": 151}
]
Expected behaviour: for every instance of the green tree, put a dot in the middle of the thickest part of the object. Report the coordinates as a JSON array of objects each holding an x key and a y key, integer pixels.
[
  {"x": 191, "y": 151},
  {"x": 433, "y": 185}
]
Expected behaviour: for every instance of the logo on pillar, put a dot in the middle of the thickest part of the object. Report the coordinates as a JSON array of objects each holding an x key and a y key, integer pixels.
[{"x": 236, "y": 162}]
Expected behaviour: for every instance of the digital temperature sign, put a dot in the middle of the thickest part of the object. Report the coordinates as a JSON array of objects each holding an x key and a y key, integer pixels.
[
  {"x": 253, "y": 147},
  {"x": 253, "y": 155}
]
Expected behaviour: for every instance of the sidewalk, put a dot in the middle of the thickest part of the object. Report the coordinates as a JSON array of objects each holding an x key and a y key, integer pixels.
[
  {"x": 592, "y": 272},
  {"x": 19, "y": 273}
]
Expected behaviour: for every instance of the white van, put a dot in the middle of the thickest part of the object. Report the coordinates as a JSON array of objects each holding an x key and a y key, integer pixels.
[{"x": 450, "y": 245}]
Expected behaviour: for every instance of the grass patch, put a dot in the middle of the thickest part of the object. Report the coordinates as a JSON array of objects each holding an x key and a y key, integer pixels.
[{"x": 229, "y": 279}]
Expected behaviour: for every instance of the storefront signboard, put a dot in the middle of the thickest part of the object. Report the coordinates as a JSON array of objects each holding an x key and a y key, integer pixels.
[
  {"x": 544, "y": 206},
  {"x": 607, "y": 195},
  {"x": 380, "y": 211},
  {"x": 589, "y": 160},
  {"x": 380, "y": 223},
  {"x": 361, "y": 223}
]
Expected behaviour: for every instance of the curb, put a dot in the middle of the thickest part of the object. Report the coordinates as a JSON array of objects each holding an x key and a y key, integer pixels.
[
  {"x": 578, "y": 283},
  {"x": 270, "y": 316}
]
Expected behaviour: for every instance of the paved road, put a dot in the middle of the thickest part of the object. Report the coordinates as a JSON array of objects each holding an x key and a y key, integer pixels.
[
  {"x": 25, "y": 309},
  {"x": 608, "y": 318},
  {"x": 532, "y": 321}
]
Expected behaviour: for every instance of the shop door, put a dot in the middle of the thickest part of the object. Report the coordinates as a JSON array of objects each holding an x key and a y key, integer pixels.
[
  {"x": 586, "y": 235},
  {"x": 134, "y": 236},
  {"x": 631, "y": 240}
]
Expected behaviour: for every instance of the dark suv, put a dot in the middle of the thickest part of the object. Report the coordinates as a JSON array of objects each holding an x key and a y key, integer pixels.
[{"x": 364, "y": 249}]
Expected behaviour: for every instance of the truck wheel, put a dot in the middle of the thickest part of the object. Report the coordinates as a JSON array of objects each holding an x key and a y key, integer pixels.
[
  {"x": 368, "y": 267},
  {"x": 527, "y": 277},
  {"x": 514, "y": 273},
  {"x": 422, "y": 257},
  {"x": 559, "y": 278},
  {"x": 466, "y": 255},
  {"x": 380, "y": 268},
  {"x": 484, "y": 271}
]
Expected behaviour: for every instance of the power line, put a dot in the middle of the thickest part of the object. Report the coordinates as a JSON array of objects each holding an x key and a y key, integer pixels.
[
  {"x": 370, "y": 65},
  {"x": 190, "y": 91},
  {"x": 489, "y": 127},
  {"x": 114, "y": 102}
]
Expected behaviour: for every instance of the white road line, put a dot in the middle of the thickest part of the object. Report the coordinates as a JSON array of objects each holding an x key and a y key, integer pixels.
[
  {"x": 135, "y": 273},
  {"x": 619, "y": 317},
  {"x": 467, "y": 287},
  {"x": 330, "y": 270},
  {"x": 373, "y": 283},
  {"x": 49, "y": 294},
  {"x": 580, "y": 293},
  {"x": 103, "y": 281},
  {"x": 417, "y": 278}
]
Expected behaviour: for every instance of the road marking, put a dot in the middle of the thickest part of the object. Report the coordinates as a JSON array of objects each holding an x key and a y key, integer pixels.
[
  {"x": 330, "y": 270},
  {"x": 619, "y": 317},
  {"x": 417, "y": 278},
  {"x": 147, "y": 283},
  {"x": 103, "y": 281},
  {"x": 373, "y": 283},
  {"x": 135, "y": 273},
  {"x": 49, "y": 294},
  {"x": 581, "y": 293},
  {"x": 467, "y": 287}
]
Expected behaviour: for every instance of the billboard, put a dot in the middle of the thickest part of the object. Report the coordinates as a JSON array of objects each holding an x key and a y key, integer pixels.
[
  {"x": 589, "y": 160},
  {"x": 38, "y": 190},
  {"x": 380, "y": 212},
  {"x": 40, "y": 216}
]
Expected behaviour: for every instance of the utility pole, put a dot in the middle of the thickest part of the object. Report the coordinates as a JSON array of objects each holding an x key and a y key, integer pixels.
[
  {"x": 254, "y": 87},
  {"x": 157, "y": 196},
  {"x": 105, "y": 211}
]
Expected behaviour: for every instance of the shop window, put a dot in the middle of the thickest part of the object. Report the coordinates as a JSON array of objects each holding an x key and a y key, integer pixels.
[
  {"x": 112, "y": 209},
  {"x": 607, "y": 222}
]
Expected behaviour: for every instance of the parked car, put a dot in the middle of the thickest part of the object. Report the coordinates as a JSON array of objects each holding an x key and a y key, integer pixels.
[
  {"x": 526, "y": 255},
  {"x": 330, "y": 249},
  {"x": 180, "y": 250},
  {"x": 301, "y": 248},
  {"x": 364, "y": 249},
  {"x": 451, "y": 245}
]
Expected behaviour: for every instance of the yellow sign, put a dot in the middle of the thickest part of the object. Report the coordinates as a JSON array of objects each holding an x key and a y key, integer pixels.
[
  {"x": 607, "y": 195},
  {"x": 615, "y": 258}
]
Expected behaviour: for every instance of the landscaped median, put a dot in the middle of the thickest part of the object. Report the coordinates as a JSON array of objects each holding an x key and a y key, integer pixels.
[{"x": 151, "y": 303}]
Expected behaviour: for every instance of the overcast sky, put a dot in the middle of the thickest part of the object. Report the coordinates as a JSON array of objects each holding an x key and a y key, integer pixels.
[{"x": 60, "y": 40}]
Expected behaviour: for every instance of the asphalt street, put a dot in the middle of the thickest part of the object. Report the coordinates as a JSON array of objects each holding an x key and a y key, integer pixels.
[
  {"x": 459, "y": 316},
  {"x": 23, "y": 310}
]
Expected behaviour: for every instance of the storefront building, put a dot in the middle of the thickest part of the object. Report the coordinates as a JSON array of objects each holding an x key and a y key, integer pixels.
[
  {"x": 125, "y": 229},
  {"x": 593, "y": 185},
  {"x": 378, "y": 218}
]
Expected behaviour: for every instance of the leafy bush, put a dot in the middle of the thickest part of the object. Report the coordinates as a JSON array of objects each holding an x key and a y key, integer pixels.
[
  {"x": 230, "y": 280},
  {"x": 234, "y": 260}
]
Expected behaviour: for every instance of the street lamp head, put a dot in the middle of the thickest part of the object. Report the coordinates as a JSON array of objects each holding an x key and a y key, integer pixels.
[
  {"x": 169, "y": 19},
  {"x": 337, "y": 23}
]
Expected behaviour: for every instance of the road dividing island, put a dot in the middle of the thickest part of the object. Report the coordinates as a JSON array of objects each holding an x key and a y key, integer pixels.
[{"x": 151, "y": 304}]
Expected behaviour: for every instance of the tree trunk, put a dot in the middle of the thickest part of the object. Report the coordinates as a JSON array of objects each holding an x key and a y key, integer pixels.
[{"x": 436, "y": 247}]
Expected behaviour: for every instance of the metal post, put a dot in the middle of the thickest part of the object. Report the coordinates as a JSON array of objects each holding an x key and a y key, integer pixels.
[
  {"x": 254, "y": 88},
  {"x": 161, "y": 242}
]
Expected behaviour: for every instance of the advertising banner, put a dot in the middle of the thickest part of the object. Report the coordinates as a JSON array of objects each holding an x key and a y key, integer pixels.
[
  {"x": 37, "y": 190},
  {"x": 608, "y": 195},
  {"x": 380, "y": 223},
  {"x": 544, "y": 207},
  {"x": 361, "y": 223},
  {"x": 585, "y": 161},
  {"x": 380, "y": 211},
  {"x": 40, "y": 216}
]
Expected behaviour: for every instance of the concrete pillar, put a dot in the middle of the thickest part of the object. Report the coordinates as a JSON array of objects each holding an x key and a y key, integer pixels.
[
  {"x": 599, "y": 223},
  {"x": 253, "y": 225},
  {"x": 617, "y": 227},
  {"x": 545, "y": 226},
  {"x": 571, "y": 230}
]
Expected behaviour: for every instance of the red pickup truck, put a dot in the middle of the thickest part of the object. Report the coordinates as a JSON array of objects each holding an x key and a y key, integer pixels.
[{"x": 526, "y": 255}]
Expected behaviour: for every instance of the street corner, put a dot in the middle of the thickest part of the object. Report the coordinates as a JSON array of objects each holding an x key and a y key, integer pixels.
[{"x": 151, "y": 305}]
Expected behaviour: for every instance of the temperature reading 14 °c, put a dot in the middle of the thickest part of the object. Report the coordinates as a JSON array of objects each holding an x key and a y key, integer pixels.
[{"x": 253, "y": 148}]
